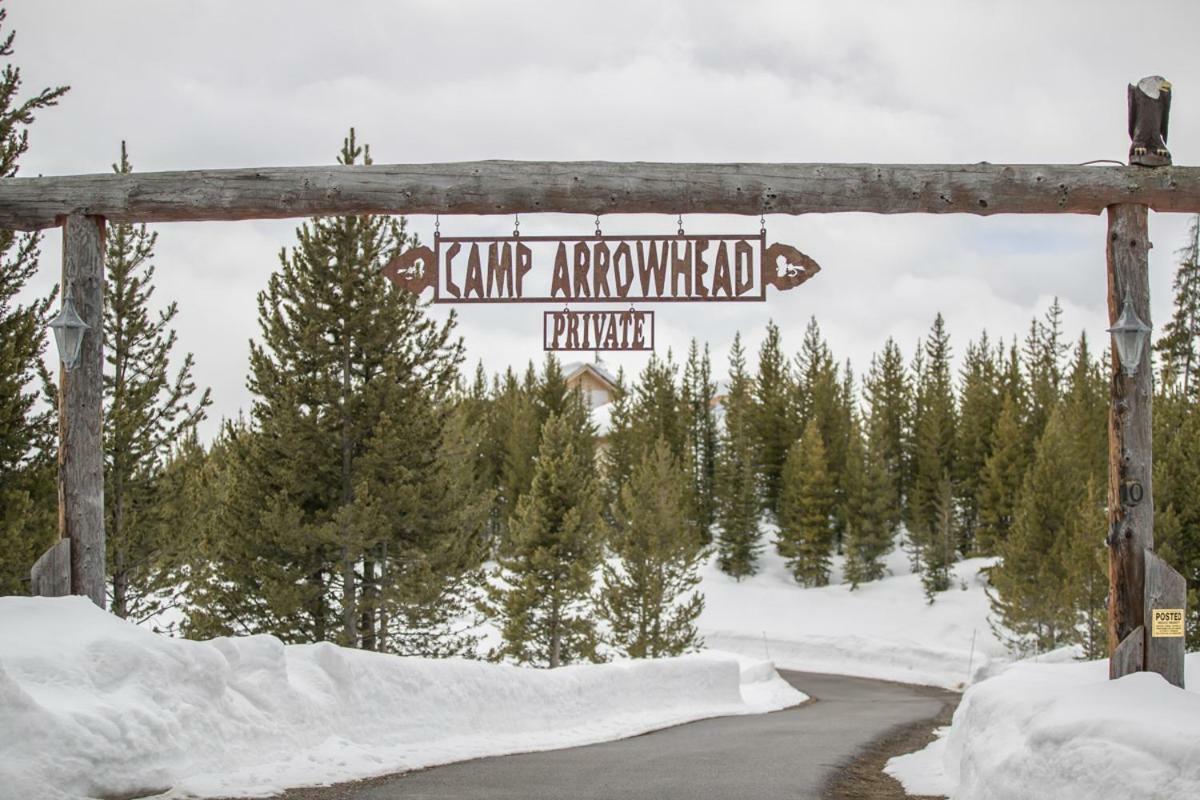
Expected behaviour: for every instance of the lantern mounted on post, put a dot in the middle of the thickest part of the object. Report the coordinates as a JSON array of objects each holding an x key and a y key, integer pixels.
[
  {"x": 1129, "y": 334},
  {"x": 68, "y": 330}
]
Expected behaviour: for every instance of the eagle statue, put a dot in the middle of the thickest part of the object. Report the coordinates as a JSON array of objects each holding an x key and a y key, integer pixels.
[{"x": 1149, "y": 109}]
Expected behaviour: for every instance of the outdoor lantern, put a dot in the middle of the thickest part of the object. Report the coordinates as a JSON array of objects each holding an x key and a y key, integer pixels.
[
  {"x": 1130, "y": 335},
  {"x": 68, "y": 332}
]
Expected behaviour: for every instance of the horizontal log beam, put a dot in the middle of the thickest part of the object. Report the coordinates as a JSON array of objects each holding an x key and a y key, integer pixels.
[{"x": 507, "y": 187}]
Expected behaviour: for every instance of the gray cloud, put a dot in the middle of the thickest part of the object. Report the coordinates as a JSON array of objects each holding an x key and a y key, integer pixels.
[{"x": 220, "y": 84}]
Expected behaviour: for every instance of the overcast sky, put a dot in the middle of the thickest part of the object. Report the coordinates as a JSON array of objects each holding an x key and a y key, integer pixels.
[{"x": 239, "y": 84}]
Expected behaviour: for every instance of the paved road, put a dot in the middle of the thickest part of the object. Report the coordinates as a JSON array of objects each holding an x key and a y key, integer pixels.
[{"x": 788, "y": 754}]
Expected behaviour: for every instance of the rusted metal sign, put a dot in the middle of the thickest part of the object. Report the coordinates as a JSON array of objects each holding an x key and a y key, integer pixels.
[
  {"x": 597, "y": 268},
  {"x": 630, "y": 329}
]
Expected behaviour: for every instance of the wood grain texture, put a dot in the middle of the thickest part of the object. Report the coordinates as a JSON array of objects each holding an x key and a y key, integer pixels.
[
  {"x": 1131, "y": 527},
  {"x": 80, "y": 418},
  {"x": 594, "y": 187},
  {"x": 1165, "y": 588},
  {"x": 51, "y": 573},
  {"x": 1129, "y": 655}
]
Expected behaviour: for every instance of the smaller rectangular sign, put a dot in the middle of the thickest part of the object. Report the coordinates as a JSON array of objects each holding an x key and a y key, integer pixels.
[
  {"x": 1166, "y": 623},
  {"x": 616, "y": 329}
]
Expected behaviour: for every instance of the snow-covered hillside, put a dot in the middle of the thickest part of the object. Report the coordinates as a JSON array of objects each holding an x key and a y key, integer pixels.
[
  {"x": 1065, "y": 731},
  {"x": 91, "y": 706},
  {"x": 883, "y": 629}
]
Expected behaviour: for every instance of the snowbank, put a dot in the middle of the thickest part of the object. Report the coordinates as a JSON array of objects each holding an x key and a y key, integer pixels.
[
  {"x": 884, "y": 629},
  {"x": 1066, "y": 731},
  {"x": 91, "y": 706}
]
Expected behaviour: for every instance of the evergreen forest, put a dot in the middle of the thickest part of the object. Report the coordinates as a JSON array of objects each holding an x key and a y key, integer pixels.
[{"x": 380, "y": 493}]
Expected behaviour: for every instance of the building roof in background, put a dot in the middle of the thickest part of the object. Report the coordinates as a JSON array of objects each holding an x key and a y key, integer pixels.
[{"x": 596, "y": 367}]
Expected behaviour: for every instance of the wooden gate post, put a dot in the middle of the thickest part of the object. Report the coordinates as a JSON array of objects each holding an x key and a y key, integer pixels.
[
  {"x": 1130, "y": 457},
  {"x": 1140, "y": 581},
  {"x": 80, "y": 412}
]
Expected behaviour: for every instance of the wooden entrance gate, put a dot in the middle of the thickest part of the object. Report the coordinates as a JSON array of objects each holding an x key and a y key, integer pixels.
[{"x": 80, "y": 205}]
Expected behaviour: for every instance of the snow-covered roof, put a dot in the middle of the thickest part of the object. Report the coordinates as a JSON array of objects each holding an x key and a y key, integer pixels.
[{"x": 597, "y": 367}]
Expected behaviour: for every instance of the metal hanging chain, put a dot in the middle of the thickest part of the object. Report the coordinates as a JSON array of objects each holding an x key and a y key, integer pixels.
[
  {"x": 680, "y": 223},
  {"x": 598, "y": 231},
  {"x": 437, "y": 226},
  {"x": 762, "y": 223},
  {"x": 516, "y": 225}
]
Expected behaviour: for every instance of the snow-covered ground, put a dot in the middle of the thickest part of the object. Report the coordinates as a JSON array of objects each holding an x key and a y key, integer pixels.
[
  {"x": 91, "y": 706},
  {"x": 1063, "y": 730},
  {"x": 883, "y": 629}
]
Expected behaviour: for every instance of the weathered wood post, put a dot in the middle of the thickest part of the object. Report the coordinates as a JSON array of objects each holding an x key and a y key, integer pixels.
[
  {"x": 80, "y": 412},
  {"x": 1130, "y": 522},
  {"x": 1145, "y": 593}
]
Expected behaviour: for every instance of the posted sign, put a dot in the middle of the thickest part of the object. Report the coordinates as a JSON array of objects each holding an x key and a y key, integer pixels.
[{"x": 1166, "y": 623}]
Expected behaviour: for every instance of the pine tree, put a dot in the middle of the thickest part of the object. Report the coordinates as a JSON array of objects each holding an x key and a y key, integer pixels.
[
  {"x": 211, "y": 507},
  {"x": 146, "y": 412},
  {"x": 657, "y": 408},
  {"x": 421, "y": 524},
  {"x": 773, "y": 418},
  {"x": 353, "y": 384},
  {"x": 874, "y": 514},
  {"x": 823, "y": 396},
  {"x": 889, "y": 395},
  {"x": 697, "y": 398},
  {"x": 1178, "y": 345},
  {"x": 28, "y": 524},
  {"x": 552, "y": 394},
  {"x": 1044, "y": 353},
  {"x": 658, "y": 555},
  {"x": 979, "y": 410},
  {"x": 1030, "y": 596},
  {"x": 541, "y": 598},
  {"x": 1087, "y": 403},
  {"x": 935, "y": 439},
  {"x": 515, "y": 431},
  {"x": 939, "y": 542},
  {"x": 183, "y": 514},
  {"x": 622, "y": 448},
  {"x": 1000, "y": 483},
  {"x": 806, "y": 506},
  {"x": 737, "y": 503},
  {"x": 1085, "y": 555}
]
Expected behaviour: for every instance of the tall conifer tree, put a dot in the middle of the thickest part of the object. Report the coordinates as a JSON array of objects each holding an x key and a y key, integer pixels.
[
  {"x": 980, "y": 403},
  {"x": 516, "y": 428},
  {"x": 542, "y": 600},
  {"x": 352, "y": 385},
  {"x": 737, "y": 502},
  {"x": 1085, "y": 554},
  {"x": 774, "y": 428},
  {"x": 1044, "y": 354},
  {"x": 806, "y": 506},
  {"x": 147, "y": 411},
  {"x": 622, "y": 448},
  {"x": 1030, "y": 596},
  {"x": 873, "y": 505},
  {"x": 889, "y": 395},
  {"x": 657, "y": 406},
  {"x": 1178, "y": 345},
  {"x": 1001, "y": 480},
  {"x": 28, "y": 523},
  {"x": 646, "y": 598},
  {"x": 697, "y": 398},
  {"x": 935, "y": 439}
]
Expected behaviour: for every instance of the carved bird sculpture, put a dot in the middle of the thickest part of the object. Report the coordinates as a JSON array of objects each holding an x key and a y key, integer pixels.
[{"x": 1149, "y": 110}]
